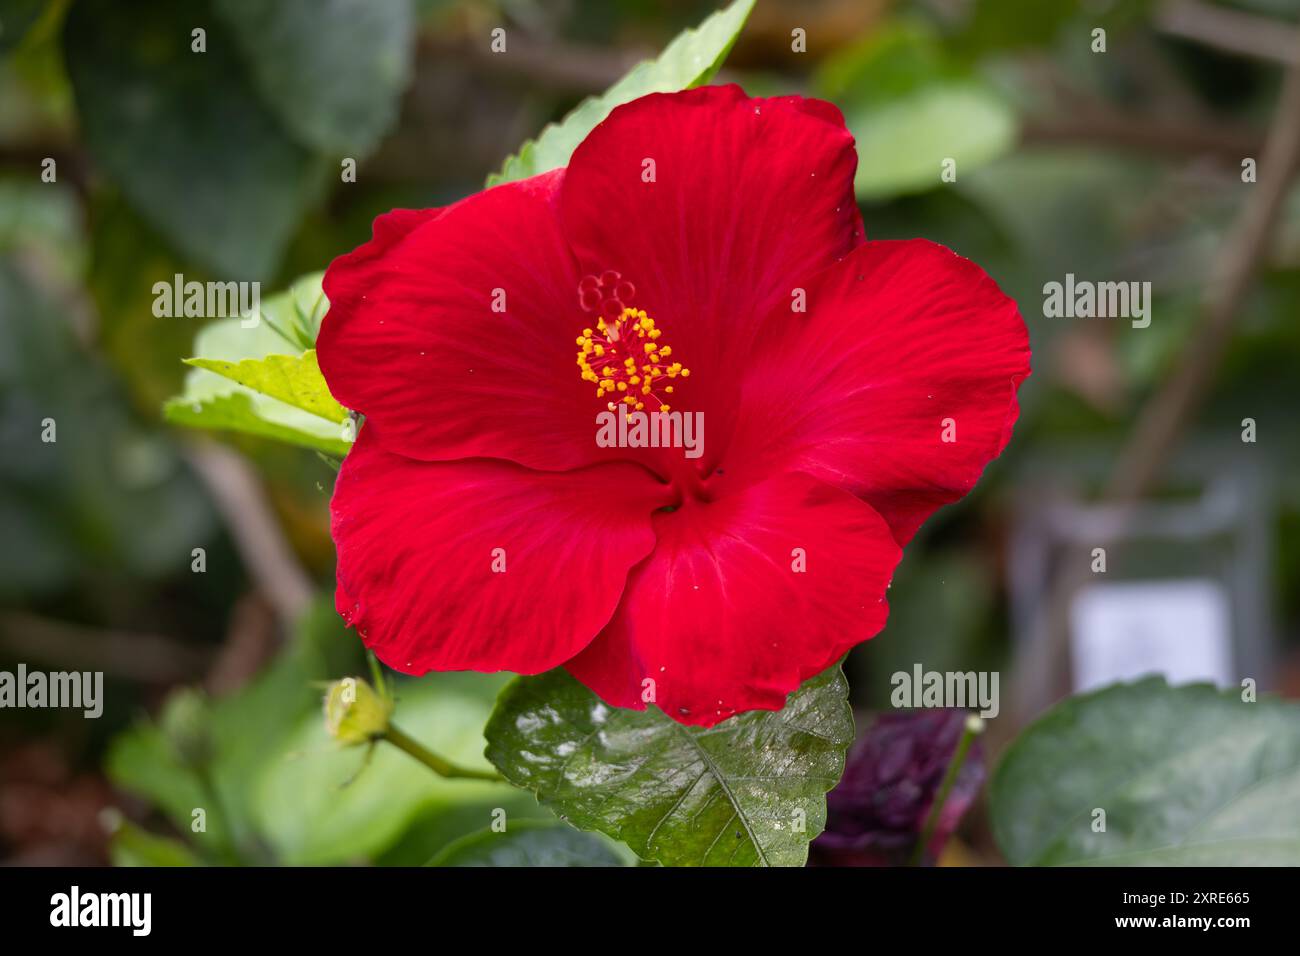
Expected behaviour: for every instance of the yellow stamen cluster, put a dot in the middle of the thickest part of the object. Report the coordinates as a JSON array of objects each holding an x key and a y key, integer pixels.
[{"x": 624, "y": 360}]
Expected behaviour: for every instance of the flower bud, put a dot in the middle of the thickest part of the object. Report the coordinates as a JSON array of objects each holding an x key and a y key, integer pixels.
[
  {"x": 877, "y": 813},
  {"x": 185, "y": 719},
  {"x": 354, "y": 712}
]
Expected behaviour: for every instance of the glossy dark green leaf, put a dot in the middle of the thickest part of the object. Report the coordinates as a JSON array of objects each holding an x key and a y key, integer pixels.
[
  {"x": 332, "y": 70},
  {"x": 690, "y": 60},
  {"x": 1186, "y": 776},
  {"x": 529, "y": 843},
  {"x": 747, "y": 792},
  {"x": 185, "y": 135}
]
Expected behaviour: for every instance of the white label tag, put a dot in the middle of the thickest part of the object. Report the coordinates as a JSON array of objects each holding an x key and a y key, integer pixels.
[{"x": 1178, "y": 628}]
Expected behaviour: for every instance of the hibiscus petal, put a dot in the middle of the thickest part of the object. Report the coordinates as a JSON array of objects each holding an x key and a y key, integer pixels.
[
  {"x": 412, "y": 339},
  {"x": 900, "y": 386},
  {"x": 719, "y": 618},
  {"x": 749, "y": 197},
  {"x": 417, "y": 549}
]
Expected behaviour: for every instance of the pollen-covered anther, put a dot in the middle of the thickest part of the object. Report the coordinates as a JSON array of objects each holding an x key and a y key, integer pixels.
[{"x": 621, "y": 355}]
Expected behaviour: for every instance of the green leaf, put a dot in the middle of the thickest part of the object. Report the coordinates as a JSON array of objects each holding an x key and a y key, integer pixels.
[
  {"x": 239, "y": 413},
  {"x": 690, "y": 60},
  {"x": 320, "y": 804},
  {"x": 129, "y": 845},
  {"x": 185, "y": 135},
  {"x": 910, "y": 108},
  {"x": 528, "y": 843},
  {"x": 294, "y": 379},
  {"x": 286, "y": 793},
  {"x": 295, "y": 315},
  {"x": 747, "y": 792},
  {"x": 333, "y": 72},
  {"x": 1186, "y": 776},
  {"x": 243, "y": 381},
  {"x": 902, "y": 146},
  {"x": 247, "y": 730},
  {"x": 16, "y": 18}
]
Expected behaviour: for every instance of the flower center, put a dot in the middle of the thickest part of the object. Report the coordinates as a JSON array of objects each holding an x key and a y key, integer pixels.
[{"x": 622, "y": 356}]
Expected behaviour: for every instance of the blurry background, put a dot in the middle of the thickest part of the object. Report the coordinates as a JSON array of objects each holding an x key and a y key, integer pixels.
[{"x": 1119, "y": 165}]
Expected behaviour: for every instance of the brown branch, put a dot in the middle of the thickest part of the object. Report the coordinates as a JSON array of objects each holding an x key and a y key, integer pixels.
[
  {"x": 561, "y": 67},
  {"x": 71, "y": 163},
  {"x": 253, "y": 525},
  {"x": 1143, "y": 134},
  {"x": 147, "y": 658},
  {"x": 1233, "y": 31},
  {"x": 1081, "y": 117},
  {"x": 1166, "y": 414}
]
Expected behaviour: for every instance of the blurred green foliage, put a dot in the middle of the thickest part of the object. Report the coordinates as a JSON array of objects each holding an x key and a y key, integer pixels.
[
  {"x": 1227, "y": 770},
  {"x": 110, "y": 492},
  {"x": 274, "y": 788},
  {"x": 262, "y": 378},
  {"x": 226, "y": 165},
  {"x": 691, "y": 60},
  {"x": 913, "y": 107}
]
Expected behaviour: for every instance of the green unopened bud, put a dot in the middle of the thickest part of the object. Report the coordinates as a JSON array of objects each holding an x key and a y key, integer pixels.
[
  {"x": 354, "y": 712},
  {"x": 184, "y": 723}
]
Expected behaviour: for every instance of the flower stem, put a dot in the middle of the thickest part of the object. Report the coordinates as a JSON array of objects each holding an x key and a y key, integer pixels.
[
  {"x": 974, "y": 727},
  {"x": 443, "y": 768}
]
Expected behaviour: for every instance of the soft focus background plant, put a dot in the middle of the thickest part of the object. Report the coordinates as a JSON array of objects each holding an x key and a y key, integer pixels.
[{"x": 227, "y": 165}]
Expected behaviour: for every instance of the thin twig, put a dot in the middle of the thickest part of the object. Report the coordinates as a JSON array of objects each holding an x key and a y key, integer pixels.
[
  {"x": 1143, "y": 134},
  {"x": 553, "y": 66},
  {"x": 147, "y": 658},
  {"x": 1166, "y": 414},
  {"x": 1233, "y": 31},
  {"x": 239, "y": 497}
]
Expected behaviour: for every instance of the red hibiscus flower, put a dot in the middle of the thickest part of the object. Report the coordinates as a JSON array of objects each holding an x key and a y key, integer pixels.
[{"x": 702, "y": 252}]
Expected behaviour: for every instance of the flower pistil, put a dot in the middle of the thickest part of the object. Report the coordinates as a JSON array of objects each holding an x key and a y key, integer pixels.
[{"x": 622, "y": 356}]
